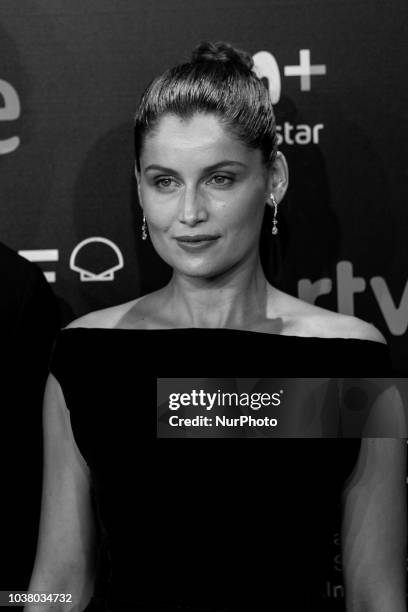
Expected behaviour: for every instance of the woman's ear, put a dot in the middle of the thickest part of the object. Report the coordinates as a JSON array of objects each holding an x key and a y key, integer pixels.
[
  {"x": 278, "y": 179},
  {"x": 137, "y": 175}
]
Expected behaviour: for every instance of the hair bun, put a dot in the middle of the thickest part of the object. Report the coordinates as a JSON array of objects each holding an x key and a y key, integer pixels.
[{"x": 221, "y": 52}]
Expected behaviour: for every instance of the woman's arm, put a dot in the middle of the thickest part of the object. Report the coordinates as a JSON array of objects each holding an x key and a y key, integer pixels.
[
  {"x": 66, "y": 550},
  {"x": 374, "y": 528}
]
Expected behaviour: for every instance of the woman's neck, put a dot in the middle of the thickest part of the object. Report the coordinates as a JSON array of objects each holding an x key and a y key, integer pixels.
[{"x": 234, "y": 300}]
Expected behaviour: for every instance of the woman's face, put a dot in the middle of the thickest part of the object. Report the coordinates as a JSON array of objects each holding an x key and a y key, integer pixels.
[{"x": 203, "y": 193}]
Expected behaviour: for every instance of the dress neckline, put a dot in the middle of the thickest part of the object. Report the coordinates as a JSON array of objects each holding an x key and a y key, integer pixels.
[{"x": 217, "y": 329}]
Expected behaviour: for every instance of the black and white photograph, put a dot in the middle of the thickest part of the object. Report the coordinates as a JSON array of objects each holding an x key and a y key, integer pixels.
[{"x": 204, "y": 237}]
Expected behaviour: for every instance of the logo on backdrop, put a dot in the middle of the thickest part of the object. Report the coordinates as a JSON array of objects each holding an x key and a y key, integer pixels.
[
  {"x": 42, "y": 256},
  {"x": 395, "y": 315},
  {"x": 9, "y": 111},
  {"x": 266, "y": 66},
  {"x": 96, "y": 259}
]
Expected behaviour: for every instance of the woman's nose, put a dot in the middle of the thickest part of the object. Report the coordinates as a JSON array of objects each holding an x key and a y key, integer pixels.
[{"x": 192, "y": 208}]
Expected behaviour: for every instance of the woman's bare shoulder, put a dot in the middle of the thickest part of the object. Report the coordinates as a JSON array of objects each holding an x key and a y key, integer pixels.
[
  {"x": 353, "y": 327},
  {"x": 311, "y": 320},
  {"x": 106, "y": 318},
  {"x": 336, "y": 325}
]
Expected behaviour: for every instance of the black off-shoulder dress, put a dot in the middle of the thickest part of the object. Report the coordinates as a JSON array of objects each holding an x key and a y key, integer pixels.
[{"x": 209, "y": 525}]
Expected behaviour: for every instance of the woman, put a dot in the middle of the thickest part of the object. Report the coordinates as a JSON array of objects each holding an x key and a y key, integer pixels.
[{"x": 128, "y": 523}]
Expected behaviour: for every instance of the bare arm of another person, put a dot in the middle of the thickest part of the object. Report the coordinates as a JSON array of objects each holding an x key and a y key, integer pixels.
[
  {"x": 374, "y": 528},
  {"x": 67, "y": 543}
]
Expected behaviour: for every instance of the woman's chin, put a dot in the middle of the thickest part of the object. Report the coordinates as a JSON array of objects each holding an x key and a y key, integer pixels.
[
  {"x": 199, "y": 266},
  {"x": 205, "y": 272}
]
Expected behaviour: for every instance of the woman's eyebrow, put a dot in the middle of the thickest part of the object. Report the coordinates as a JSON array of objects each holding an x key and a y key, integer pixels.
[{"x": 225, "y": 162}]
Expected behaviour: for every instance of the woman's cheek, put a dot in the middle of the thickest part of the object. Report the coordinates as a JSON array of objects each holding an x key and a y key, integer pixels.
[
  {"x": 159, "y": 220},
  {"x": 246, "y": 218}
]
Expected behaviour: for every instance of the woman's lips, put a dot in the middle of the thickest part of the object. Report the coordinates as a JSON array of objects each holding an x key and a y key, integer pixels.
[
  {"x": 196, "y": 237},
  {"x": 196, "y": 243}
]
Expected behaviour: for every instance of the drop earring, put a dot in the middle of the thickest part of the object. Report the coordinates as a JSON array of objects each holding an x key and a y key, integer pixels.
[
  {"x": 144, "y": 229},
  {"x": 275, "y": 221}
]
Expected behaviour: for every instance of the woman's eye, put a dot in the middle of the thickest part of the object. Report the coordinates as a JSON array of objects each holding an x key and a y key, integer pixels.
[
  {"x": 163, "y": 182},
  {"x": 219, "y": 179}
]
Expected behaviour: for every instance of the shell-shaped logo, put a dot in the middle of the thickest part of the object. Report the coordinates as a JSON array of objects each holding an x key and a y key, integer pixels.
[{"x": 90, "y": 261}]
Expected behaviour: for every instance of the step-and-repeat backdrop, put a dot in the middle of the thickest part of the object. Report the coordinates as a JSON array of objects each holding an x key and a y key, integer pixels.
[{"x": 71, "y": 74}]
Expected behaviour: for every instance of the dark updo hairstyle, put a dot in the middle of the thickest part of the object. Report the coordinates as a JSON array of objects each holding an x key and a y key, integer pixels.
[{"x": 218, "y": 79}]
